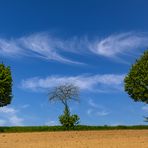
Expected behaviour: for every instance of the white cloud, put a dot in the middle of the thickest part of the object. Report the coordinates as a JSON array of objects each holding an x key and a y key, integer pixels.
[
  {"x": 40, "y": 45},
  {"x": 92, "y": 103},
  {"x": 102, "y": 113},
  {"x": 51, "y": 123},
  {"x": 96, "y": 109},
  {"x": 8, "y": 110},
  {"x": 9, "y": 117},
  {"x": 15, "y": 120},
  {"x": 117, "y": 124},
  {"x": 95, "y": 112},
  {"x": 25, "y": 106},
  {"x": 2, "y": 122},
  {"x": 100, "y": 83},
  {"x": 49, "y": 47},
  {"x": 145, "y": 108},
  {"x": 44, "y": 46},
  {"x": 119, "y": 44},
  {"x": 10, "y": 48},
  {"x": 89, "y": 111}
]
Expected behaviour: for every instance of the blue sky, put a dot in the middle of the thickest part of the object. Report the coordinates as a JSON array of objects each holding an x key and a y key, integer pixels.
[{"x": 90, "y": 43}]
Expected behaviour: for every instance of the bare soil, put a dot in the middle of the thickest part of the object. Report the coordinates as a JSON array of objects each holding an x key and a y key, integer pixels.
[{"x": 76, "y": 139}]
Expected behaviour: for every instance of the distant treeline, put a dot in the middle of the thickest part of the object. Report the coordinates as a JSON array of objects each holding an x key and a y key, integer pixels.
[{"x": 61, "y": 128}]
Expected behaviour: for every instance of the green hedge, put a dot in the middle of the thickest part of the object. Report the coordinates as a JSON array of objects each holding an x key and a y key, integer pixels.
[{"x": 60, "y": 128}]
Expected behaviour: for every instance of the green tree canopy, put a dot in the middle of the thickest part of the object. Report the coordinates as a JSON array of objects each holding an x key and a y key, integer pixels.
[
  {"x": 136, "y": 81},
  {"x": 5, "y": 85}
]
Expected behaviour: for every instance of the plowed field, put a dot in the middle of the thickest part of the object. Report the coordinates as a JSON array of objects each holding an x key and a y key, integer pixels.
[{"x": 76, "y": 139}]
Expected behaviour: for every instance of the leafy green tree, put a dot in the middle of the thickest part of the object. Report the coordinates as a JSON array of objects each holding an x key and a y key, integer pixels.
[
  {"x": 136, "y": 81},
  {"x": 5, "y": 85},
  {"x": 65, "y": 93},
  {"x": 67, "y": 120}
]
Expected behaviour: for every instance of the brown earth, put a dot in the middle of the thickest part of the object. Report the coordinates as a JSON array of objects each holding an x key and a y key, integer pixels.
[{"x": 76, "y": 139}]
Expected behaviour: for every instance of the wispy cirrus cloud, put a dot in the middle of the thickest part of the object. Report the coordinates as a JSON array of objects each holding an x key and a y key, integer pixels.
[
  {"x": 96, "y": 109},
  {"x": 40, "y": 45},
  {"x": 10, "y": 48},
  {"x": 145, "y": 108},
  {"x": 51, "y": 123},
  {"x": 49, "y": 47},
  {"x": 97, "y": 83},
  {"x": 25, "y": 106},
  {"x": 119, "y": 44}
]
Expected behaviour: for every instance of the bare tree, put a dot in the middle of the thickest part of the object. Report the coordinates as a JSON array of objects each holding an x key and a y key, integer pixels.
[{"x": 65, "y": 93}]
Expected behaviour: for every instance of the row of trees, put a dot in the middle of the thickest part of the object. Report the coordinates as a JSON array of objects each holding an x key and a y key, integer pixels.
[{"x": 135, "y": 84}]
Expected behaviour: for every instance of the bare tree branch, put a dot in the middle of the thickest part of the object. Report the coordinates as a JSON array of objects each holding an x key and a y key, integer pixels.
[{"x": 64, "y": 93}]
